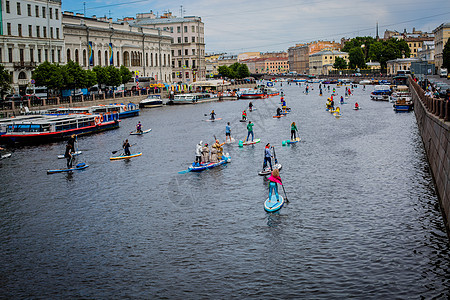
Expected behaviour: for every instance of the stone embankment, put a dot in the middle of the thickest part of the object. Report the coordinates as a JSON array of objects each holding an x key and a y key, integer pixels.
[{"x": 433, "y": 120}]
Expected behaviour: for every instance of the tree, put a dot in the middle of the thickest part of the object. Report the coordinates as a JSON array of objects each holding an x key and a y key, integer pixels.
[
  {"x": 74, "y": 76},
  {"x": 224, "y": 71},
  {"x": 114, "y": 78},
  {"x": 236, "y": 70},
  {"x": 340, "y": 63},
  {"x": 91, "y": 78},
  {"x": 49, "y": 75},
  {"x": 243, "y": 71},
  {"x": 5, "y": 81},
  {"x": 446, "y": 55},
  {"x": 125, "y": 74},
  {"x": 356, "y": 58},
  {"x": 102, "y": 75}
]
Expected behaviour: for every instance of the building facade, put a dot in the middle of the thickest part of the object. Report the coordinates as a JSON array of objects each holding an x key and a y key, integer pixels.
[
  {"x": 298, "y": 59},
  {"x": 321, "y": 63},
  {"x": 101, "y": 42},
  {"x": 427, "y": 52},
  {"x": 248, "y": 55},
  {"x": 400, "y": 64},
  {"x": 441, "y": 36},
  {"x": 31, "y": 33},
  {"x": 213, "y": 62},
  {"x": 416, "y": 44},
  {"x": 188, "y": 43}
]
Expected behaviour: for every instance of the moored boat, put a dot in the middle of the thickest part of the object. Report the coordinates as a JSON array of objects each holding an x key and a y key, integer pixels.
[
  {"x": 251, "y": 94},
  {"x": 403, "y": 105},
  {"x": 124, "y": 110},
  {"x": 151, "y": 101},
  {"x": 47, "y": 128},
  {"x": 381, "y": 93}
]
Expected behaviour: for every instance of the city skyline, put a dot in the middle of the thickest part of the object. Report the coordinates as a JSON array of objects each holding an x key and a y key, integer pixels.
[{"x": 236, "y": 26}]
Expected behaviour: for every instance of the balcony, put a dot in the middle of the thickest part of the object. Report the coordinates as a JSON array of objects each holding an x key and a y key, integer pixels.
[{"x": 27, "y": 65}]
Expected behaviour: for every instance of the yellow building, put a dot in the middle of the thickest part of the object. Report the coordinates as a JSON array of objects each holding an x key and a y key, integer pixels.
[
  {"x": 400, "y": 64},
  {"x": 441, "y": 35},
  {"x": 318, "y": 46},
  {"x": 321, "y": 63},
  {"x": 416, "y": 44}
]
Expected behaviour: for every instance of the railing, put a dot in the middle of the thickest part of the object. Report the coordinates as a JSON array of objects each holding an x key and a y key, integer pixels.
[{"x": 436, "y": 106}]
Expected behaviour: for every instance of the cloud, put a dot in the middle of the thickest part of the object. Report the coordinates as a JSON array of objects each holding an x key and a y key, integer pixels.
[{"x": 267, "y": 25}]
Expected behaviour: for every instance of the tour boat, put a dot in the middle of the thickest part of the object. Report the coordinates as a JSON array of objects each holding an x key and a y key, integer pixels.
[
  {"x": 381, "y": 93},
  {"x": 151, "y": 101},
  {"x": 47, "y": 128},
  {"x": 124, "y": 110},
  {"x": 251, "y": 94},
  {"x": 189, "y": 98}
]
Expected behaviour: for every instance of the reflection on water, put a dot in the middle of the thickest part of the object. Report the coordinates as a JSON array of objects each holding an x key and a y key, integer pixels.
[{"x": 363, "y": 218}]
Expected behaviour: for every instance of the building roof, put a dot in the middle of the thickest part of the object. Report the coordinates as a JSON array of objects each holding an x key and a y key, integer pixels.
[
  {"x": 328, "y": 52},
  {"x": 158, "y": 21},
  {"x": 404, "y": 60}
]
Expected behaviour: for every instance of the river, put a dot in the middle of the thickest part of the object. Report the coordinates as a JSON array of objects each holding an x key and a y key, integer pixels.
[{"x": 363, "y": 219}]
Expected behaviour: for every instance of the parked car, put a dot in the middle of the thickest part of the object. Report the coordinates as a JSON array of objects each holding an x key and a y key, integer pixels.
[{"x": 13, "y": 97}]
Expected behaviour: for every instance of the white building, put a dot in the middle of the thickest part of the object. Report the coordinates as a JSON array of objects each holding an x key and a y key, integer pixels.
[
  {"x": 101, "y": 42},
  {"x": 188, "y": 47},
  {"x": 31, "y": 33}
]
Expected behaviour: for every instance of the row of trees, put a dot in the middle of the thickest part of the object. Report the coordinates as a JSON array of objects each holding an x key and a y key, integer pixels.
[
  {"x": 235, "y": 71},
  {"x": 71, "y": 76},
  {"x": 363, "y": 49}
]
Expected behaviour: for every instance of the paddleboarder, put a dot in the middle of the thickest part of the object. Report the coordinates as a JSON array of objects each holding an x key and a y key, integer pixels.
[
  {"x": 68, "y": 155},
  {"x": 244, "y": 115},
  {"x": 278, "y": 111},
  {"x": 356, "y": 105},
  {"x": 273, "y": 184},
  {"x": 218, "y": 147},
  {"x": 213, "y": 115},
  {"x": 228, "y": 132},
  {"x": 250, "y": 106},
  {"x": 139, "y": 127},
  {"x": 198, "y": 154},
  {"x": 249, "y": 130},
  {"x": 71, "y": 142},
  {"x": 126, "y": 147},
  {"x": 205, "y": 154},
  {"x": 267, "y": 157},
  {"x": 342, "y": 100},
  {"x": 293, "y": 131}
]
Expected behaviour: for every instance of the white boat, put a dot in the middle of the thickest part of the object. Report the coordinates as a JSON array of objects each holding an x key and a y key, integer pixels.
[
  {"x": 364, "y": 82},
  {"x": 189, "y": 98},
  {"x": 381, "y": 93},
  {"x": 401, "y": 91},
  {"x": 151, "y": 101}
]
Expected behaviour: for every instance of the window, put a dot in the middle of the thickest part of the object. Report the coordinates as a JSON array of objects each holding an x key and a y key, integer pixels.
[
  {"x": 118, "y": 58},
  {"x": 173, "y": 52},
  {"x": 186, "y": 63},
  {"x": 37, "y": 11},
  {"x": 8, "y": 10},
  {"x": 30, "y": 30},
  {"x": 185, "y": 39},
  {"x": 178, "y": 29},
  {"x": 39, "y": 55},
  {"x": 193, "y": 39},
  {"x": 68, "y": 55},
  {"x": 187, "y": 74},
  {"x": 53, "y": 56},
  {"x": 51, "y": 32},
  {"x": 43, "y": 12},
  {"x": 193, "y": 64},
  {"x": 8, "y": 28},
  {"x": 46, "y": 54},
  {"x": 38, "y": 31},
  {"x": 32, "y": 55},
  {"x": 99, "y": 58},
  {"x": 76, "y": 56},
  {"x": 59, "y": 55},
  {"x": 146, "y": 59},
  {"x": 193, "y": 28},
  {"x": 179, "y": 64},
  {"x": 44, "y": 31},
  {"x": 156, "y": 59},
  {"x": 10, "y": 55},
  {"x": 18, "y": 8},
  {"x": 29, "y": 9},
  {"x": 193, "y": 51},
  {"x": 179, "y": 52},
  {"x": 19, "y": 29},
  {"x": 179, "y": 40},
  {"x": 57, "y": 33},
  {"x": 50, "y": 13},
  {"x": 106, "y": 58},
  {"x": 171, "y": 29},
  {"x": 56, "y": 14},
  {"x": 186, "y": 51},
  {"x": 84, "y": 57},
  {"x": 185, "y": 28}
]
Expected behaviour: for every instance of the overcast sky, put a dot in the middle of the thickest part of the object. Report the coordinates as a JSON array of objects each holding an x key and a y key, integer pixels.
[{"x": 236, "y": 26}]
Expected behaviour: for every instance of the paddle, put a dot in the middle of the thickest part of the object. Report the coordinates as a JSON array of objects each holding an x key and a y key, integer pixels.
[
  {"x": 114, "y": 152},
  {"x": 285, "y": 196},
  {"x": 276, "y": 162}
]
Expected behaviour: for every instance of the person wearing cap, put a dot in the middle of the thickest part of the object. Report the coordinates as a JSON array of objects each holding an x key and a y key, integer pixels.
[
  {"x": 198, "y": 153},
  {"x": 205, "y": 154}
]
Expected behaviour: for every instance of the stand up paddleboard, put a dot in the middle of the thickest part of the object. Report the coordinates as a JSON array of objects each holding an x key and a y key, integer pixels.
[
  {"x": 7, "y": 155},
  {"x": 294, "y": 141},
  {"x": 139, "y": 133},
  {"x": 212, "y": 120},
  {"x": 280, "y": 116},
  {"x": 251, "y": 142},
  {"x": 243, "y": 120},
  {"x": 356, "y": 108},
  {"x": 272, "y": 205},
  {"x": 125, "y": 156},
  {"x": 73, "y": 154},
  {"x": 80, "y": 166},
  {"x": 267, "y": 170},
  {"x": 232, "y": 141}
]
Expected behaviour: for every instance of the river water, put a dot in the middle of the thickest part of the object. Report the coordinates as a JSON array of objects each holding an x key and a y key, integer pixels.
[{"x": 363, "y": 219}]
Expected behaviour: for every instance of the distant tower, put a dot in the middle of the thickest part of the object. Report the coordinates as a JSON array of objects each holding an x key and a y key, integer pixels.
[{"x": 377, "y": 33}]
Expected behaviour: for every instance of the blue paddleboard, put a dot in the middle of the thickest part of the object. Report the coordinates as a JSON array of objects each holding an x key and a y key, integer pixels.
[
  {"x": 80, "y": 166},
  {"x": 272, "y": 205}
]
